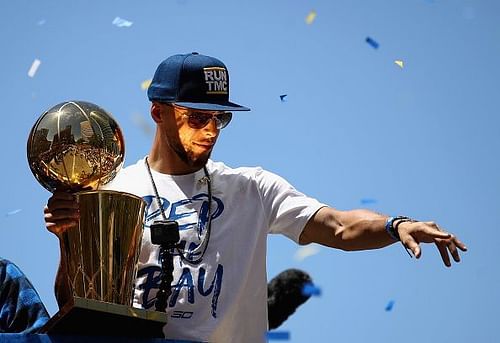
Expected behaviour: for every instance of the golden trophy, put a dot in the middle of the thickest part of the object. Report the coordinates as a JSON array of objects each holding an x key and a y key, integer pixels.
[{"x": 77, "y": 146}]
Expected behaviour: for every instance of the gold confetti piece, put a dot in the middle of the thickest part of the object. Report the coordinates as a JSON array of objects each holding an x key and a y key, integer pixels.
[
  {"x": 305, "y": 251},
  {"x": 399, "y": 63},
  {"x": 34, "y": 67},
  {"x": 310, "y": 17},
  {"x": 145, "y": 84}
]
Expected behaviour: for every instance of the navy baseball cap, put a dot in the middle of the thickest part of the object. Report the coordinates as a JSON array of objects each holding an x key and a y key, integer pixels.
[{"x": 193, "y": 81}]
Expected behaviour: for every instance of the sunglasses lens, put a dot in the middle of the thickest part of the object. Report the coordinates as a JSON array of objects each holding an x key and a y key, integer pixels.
[
  {"x": 198, "y": 120},
  {"x": 223, "y": 119}
]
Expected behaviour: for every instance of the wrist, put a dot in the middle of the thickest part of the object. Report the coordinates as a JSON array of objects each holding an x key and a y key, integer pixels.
[
  {"x": 392, "y": 226},
  {"x": 389, "y": 228}
]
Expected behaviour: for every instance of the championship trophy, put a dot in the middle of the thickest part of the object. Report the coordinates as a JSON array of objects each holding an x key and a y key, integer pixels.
[{"x": 77, "y": 146}]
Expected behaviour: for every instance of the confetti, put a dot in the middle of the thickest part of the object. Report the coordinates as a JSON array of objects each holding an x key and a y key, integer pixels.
[
  {"x": 372, "y": 42},
  {"x": 278, "y": 335},
  {"x": 283, "y": 96},
  {"x": 368, "y": 201},
  {"x": 121, "y": 22},
  {"x": 389, "y": 305},
  {"x": 11, "y": 213},
  {"x": 41, "y": 22},
  {"x": 310, "y": 289},
  {"x": 399, "y": 63},
  {"x": 305, "y": 251},
  {"x": 34, "y": 67},
  {"x": 310, "y": 17},
  {"x": 145, "y": 84}
]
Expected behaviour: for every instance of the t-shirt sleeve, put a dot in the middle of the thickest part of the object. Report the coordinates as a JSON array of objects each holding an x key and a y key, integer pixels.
[{"x": 287, "y": 209}]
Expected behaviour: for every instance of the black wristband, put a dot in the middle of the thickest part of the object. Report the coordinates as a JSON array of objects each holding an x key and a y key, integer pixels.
[{"x": 389, "y": 227}]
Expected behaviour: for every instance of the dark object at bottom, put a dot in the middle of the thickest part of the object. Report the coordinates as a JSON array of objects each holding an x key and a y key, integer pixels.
[
  {"x": 96, "y": 318},
  {"x": 284, "y": 295}
]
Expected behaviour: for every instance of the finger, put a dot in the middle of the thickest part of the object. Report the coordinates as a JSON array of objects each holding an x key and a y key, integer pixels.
[
  {"x": 436, "y": 233},
  {"x": 57, "y": 215},
  {"x": 454, "y": 252},
  {"x": 410, "y": 243},
  {"x": 459, "y": 244},
  {"x": 63, "y": 195},
  {"x": 444, "y": 253},
  {"x": 61, "y": 226},
  {"x": 452, "y": 247},
  {"x": 435, "y": 230},
  {"x": 61, "y": 203}
]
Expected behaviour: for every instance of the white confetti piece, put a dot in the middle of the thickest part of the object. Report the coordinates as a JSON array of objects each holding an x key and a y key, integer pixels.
[
  {"x": 34, "y": 67},
  {"x": 122, "y": 22},
  {"x": 306, "y": 251},
  {"x": 11, "y": 213},
  {"x": 399, "y": 63}
]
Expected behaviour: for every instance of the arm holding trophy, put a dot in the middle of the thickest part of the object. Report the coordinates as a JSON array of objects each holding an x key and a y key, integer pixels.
[
  {"x": 73, "y": 149},
  {"x": 61, "y": 213}
]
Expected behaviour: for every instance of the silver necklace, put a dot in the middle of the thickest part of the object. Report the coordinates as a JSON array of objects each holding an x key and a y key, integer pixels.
[{"x": 206, "y": 238}]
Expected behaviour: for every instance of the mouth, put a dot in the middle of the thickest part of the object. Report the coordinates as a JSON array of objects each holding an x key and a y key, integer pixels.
[{"x": 206, "y": 146}]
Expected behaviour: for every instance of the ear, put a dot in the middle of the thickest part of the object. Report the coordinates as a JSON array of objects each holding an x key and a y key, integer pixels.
[{"x": 156, "y": 110}]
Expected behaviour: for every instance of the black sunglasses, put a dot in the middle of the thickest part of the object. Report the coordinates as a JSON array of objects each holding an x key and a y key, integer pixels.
[{"x": 198, "y": 120}]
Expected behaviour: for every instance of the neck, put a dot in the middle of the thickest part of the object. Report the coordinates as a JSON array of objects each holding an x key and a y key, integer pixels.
[{"x": 163, "y": 159}]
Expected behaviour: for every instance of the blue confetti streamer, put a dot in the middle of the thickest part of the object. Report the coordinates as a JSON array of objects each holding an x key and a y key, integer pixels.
[
  {"x": 372, "y": 42},
  {"x": 389, "y": 306},
  {"x": 282, "y": 97},
  {"x": 310, "y": 289},
  {"x": 278, "y": 335},
  {"x": 368, "y": 201}
]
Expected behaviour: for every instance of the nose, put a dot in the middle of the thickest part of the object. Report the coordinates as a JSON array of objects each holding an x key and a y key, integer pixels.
[{"x": 211, "y": 127}]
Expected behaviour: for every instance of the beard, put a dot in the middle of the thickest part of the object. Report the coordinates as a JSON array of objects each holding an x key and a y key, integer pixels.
[{"x": 189, "y": 157}]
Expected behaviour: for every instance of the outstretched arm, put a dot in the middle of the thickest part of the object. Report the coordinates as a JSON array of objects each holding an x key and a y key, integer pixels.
[{"x": 364, "y": 229}]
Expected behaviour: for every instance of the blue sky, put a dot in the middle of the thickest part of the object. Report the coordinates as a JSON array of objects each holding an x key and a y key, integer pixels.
[{"x": 422, "y": 140}]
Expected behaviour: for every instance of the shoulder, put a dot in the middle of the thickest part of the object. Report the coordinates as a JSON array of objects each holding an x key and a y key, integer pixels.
[
  {"x": 133, "y": 169},
  {"x": 121, "y": 182},
  {"x": 219, "y": 169},
  {"x": 246, "y": 176}
]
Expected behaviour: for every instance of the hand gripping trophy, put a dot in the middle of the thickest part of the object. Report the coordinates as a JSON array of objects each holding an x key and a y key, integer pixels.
[{"x": 77, "y": 146}]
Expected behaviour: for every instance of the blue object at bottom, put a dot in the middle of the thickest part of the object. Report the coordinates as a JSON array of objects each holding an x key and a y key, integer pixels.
[{"x": 28, "y": 338}]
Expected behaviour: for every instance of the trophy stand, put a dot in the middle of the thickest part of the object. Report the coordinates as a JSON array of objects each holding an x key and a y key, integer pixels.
[{"x": 87, "y": 317}]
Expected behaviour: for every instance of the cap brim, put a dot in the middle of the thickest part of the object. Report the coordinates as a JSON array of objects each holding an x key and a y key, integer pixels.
[{"x": 228, "y": 106}]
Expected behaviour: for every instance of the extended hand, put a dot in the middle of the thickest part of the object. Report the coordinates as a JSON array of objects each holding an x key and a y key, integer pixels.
[{"x": 413, "y": 233}]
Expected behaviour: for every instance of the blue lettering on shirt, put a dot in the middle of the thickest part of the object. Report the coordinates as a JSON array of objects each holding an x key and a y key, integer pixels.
[
  {"x": 191, "y": 214},
  {"x": 152, "y": 282},
  {"x": 218, "y": 285}
]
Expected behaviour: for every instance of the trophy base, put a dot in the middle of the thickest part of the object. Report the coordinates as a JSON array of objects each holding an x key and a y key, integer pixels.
[{"x": 96, "y": 318}]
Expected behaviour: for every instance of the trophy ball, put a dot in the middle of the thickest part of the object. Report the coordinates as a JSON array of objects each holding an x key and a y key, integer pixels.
[{"x": 75, "y": 146}]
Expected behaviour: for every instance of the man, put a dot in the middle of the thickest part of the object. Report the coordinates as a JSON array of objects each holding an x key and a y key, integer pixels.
[
  {"x": 224, "y": 214},
  {"x": 21, "y": 310}
]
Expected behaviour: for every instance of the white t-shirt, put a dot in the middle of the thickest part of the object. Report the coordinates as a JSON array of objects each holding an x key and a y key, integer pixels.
[{"x": 223, "y": 298}]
